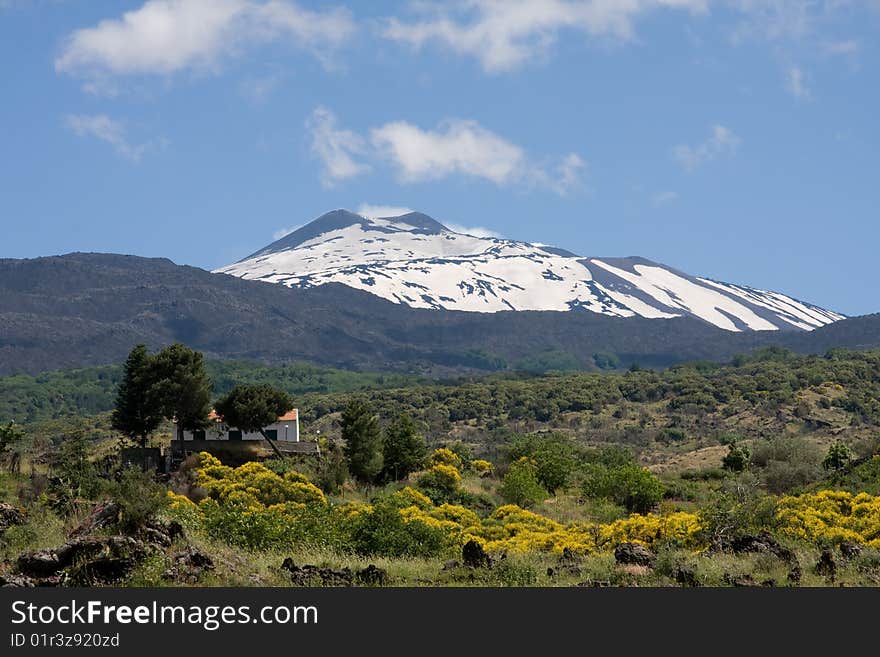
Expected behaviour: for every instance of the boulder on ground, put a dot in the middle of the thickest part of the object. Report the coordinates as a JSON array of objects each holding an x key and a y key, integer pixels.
[
  {"x": 635, "y": 554},
  {"x": 474, "y": 556}
]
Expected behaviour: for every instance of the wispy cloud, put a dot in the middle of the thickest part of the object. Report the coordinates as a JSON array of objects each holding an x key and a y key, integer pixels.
[
  {"x": 281, "y": 232},
  {"x": 664, "y": 198},
  {"x": 163, "y": 37},
  {"x": 257, "y": 90},
  {"x": 796, "y": 83},
  {"x": 505, "y": 34},
  {"x": 374, "y": 211},
  {"x": 338, "y": 150},
  {"x": 849, "y": 47},
  {"x": 112, "y": 132},
  {"x": 476, "y": 231},
  {"x": 721, "y": 141}
]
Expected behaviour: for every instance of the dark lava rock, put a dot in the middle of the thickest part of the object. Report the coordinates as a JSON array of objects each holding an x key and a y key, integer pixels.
[
  {"x": 685, "y": 576},
  {"x": 794, "y": 575},
  {"x": 188, "y": 566},
  {"x": 474, "y": 556},
  {"x": 633, "y": 553},
  {"x": 739, "y": 580},
  {"x": 850, "y": 550},
  {"x": 10, "y": 517},
  {"x": 372, "y": 576},
  {"x": 39, "y": 563},
  {"x": 569, "y": 556},
  {"x": 102, "y": 515},
  {"x": 826, "y": 565},
  {"x": 310, "y": 575},
  {"x": 16, "y": 581},
  {"x": 83, "y": 561}
]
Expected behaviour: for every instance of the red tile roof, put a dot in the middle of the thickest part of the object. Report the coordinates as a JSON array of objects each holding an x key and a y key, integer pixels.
[{"x": 289, "y": 416}]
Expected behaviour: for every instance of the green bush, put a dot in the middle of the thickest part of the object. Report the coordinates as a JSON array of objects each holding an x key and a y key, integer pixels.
[
  {"x": 838, "y": 457},
  {"x": 554, "y": 455},
  {"x": 383, "y": 532},
  {"x": 521, "y": 485},
  {"x": 629, "y": 485},
  {"x": 139, "y": 496},
  {"x": 737, "y": 457}
]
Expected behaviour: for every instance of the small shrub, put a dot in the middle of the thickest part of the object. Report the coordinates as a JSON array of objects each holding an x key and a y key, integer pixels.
[
  {"x": 521, "y": 485},
  {"x": 838, "y": 457},
  {"x": 737, "y": 457}
]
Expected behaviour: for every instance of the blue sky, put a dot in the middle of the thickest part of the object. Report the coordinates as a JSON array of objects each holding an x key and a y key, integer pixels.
[{"x": 735, "y": 139}]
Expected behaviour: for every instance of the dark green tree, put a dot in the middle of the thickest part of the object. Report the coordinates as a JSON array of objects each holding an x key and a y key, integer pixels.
[
  {"x": 137, "y": 411},
  {"x": 11, "y": 436},
  {"x": 251, "y": 408},
  {"x": 838, "y": 457},
  {"x": 737, "y": 458},
  {"x": 75, "y": 475},
  {"x": 181, "y": 387},
  {"x": 403, "y": 450},
  {"x": 363, "y": 441}
]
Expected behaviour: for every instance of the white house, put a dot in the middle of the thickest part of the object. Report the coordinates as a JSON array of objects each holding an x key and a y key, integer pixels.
[{"x": 284, "y": 429}]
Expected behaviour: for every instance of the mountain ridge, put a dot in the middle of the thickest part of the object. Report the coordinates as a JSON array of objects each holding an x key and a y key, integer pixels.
[
  {"x": 412, "y": 259},
  {"x": 80, "y": 309}
]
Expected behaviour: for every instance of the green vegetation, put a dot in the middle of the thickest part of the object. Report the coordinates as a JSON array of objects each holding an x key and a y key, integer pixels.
[
  {"x": 89, "y": 391},
  {"x": 251, "y": 408},
  {"x": 362, "y": 438},
  {"x": 728, "y": 474}
]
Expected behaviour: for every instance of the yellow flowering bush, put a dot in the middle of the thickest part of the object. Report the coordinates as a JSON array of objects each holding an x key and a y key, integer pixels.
[
  {"x": 183, "y": 509},
  {"x": 409, "y": 496},
  {"x": 444, "y": 456},
  {"x": 253, "y": 484},
  {"x": 832, "y": 516},
  {"x": 440, "y": 480},
  {"x": 482, "y": 467}
]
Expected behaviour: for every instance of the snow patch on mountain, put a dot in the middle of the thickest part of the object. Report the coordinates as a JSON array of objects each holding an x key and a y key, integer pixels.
[{"x": 414, "y": 260}]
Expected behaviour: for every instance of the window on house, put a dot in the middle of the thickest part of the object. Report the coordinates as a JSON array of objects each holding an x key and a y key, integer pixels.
[{"x": 234, "y": 434}]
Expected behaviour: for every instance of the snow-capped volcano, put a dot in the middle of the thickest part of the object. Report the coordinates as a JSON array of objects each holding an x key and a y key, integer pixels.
[{"x": 414, "y": 260}]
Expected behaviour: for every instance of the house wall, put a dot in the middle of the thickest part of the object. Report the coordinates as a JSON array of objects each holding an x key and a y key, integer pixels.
[{"x": 276, "y": 431}]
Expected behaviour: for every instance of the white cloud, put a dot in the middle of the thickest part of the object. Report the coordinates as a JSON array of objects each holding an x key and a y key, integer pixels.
[
  {"x": 455, "y": 147},
  {"x": 258, "y": 89},
  {"x": 374, "y": 211},
  {"x": 504, "y": 34},
  {"x": 722, "y": 141},
  {"x": 466, "y": 148},
  {"x": 775, "y": 20},
  {"x": 664, "y": 198},
  {"x": 476, "y": 231},
  {"x": 337, "y": 149},
  {"x": 795, "y": 83},
  {"x": 110, "y": 131},
  {"x": 570, "y": 174},
  {"x": 281, "y": 232},
  {"x": 164, "y": 37},
  {"x": 849, "y": 47}
]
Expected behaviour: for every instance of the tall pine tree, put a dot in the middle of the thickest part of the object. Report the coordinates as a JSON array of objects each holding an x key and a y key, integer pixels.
[
  {"x": 182, "y": 387},
  {"x": 404, "y": 450},
  {"x": 363, "y": 441},
  {"x": 137, "y": 413}
]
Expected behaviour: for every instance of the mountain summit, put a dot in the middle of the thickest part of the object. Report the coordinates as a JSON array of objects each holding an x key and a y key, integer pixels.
[{"x": 415, "y": 260}]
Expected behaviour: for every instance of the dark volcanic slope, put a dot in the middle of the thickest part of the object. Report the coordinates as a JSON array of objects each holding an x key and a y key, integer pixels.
[{"x": 86, "y": 309}]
